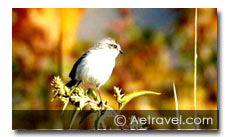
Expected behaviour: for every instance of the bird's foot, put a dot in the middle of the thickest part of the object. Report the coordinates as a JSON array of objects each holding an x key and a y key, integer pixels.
[{"x": 100, "y": 104}]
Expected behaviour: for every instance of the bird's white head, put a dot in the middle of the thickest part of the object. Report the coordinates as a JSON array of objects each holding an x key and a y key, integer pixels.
[{"x": 109, "y": 44}]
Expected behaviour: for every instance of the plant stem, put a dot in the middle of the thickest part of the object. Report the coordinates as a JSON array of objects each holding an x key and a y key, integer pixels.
[
  {"x": 176, "y": 102},
  {"x": 195, "y": 66}
]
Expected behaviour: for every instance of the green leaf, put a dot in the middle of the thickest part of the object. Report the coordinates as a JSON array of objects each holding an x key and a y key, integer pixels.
[
  {"x": 92, "y": 93},
  {"x": 98, "y": 120},
  {"x": 129, "y": 96}
]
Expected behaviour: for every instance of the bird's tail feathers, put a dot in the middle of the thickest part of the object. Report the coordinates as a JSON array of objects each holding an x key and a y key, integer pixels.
[{"x": 71, "y": 83}]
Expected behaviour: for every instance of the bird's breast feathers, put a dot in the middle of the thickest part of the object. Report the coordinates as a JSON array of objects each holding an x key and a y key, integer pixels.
[{"x": 97, "y": 67}]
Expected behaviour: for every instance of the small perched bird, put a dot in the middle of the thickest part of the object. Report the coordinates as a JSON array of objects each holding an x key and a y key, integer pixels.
[{"x": 94, "y": 66}]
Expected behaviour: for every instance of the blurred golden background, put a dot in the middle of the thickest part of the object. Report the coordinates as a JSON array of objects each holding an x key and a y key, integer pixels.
[{"x": 159, "y": 45}]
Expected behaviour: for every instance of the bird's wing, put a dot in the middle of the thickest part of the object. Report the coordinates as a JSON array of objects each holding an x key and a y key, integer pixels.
[{"x": 74, "y": 69}]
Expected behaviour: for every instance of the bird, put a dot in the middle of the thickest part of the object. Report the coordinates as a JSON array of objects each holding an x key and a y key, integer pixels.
[{"x": 94, "y": 67}]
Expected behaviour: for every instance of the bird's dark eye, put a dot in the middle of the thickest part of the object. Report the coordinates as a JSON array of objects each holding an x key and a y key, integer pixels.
[{"x": 115, "y": 46}]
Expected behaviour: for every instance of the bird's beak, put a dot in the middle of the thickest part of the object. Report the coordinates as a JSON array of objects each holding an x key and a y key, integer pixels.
[{"x": 121, "y": 51}]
